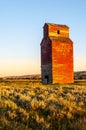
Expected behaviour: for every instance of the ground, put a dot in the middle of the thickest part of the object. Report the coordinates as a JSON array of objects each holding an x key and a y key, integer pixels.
[{"x": 29, "y": 105}]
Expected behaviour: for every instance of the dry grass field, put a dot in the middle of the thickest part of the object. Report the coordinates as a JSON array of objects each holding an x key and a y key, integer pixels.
[{"x": 28, "y": 105}]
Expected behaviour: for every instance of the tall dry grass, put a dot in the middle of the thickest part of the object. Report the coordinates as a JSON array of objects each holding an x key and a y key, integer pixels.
[{"x": 30, "y": 106}]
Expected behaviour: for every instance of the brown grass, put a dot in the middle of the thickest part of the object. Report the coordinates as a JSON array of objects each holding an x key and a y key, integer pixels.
[{"x": 27, "y": 105}]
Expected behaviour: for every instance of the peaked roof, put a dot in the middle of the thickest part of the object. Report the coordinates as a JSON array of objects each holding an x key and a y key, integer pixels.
[{"x": 58, "y": 25}]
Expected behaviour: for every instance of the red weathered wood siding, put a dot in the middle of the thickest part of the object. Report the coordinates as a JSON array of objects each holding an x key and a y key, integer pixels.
[
  {"x": 62, "y": 62},
  {"x": 57, "y": 54},
  {"x": 46, "y": 52}
]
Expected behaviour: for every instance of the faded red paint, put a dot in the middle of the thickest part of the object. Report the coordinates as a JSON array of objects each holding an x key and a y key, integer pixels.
[
  {"x": 57, "y": 51},
  {"x": 62, "y": 62},
  {"x": 46, "y": 52}
]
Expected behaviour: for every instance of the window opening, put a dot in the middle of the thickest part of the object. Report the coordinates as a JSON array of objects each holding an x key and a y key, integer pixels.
[{"x": 58, "y": 31}]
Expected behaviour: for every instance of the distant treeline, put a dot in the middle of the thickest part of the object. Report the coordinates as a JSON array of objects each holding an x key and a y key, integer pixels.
[
  {"x": 80, "y": 75},
  {"x": 36, "y": 77}
]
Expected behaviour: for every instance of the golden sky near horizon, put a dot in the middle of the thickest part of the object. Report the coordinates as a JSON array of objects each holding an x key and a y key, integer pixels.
[{"x": 24, "y": 67}]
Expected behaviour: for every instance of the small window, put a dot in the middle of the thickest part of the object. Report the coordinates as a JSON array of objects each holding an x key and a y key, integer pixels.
[{"x": 58, "y": 31}]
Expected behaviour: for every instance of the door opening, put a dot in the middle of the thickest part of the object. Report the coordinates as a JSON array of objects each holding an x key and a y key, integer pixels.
[{"x": 47, "y": 79}]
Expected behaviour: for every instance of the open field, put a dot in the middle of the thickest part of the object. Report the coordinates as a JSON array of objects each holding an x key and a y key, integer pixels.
[{"x": 29, "y": 105}]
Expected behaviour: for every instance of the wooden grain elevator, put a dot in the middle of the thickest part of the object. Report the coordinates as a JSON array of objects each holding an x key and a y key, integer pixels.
[{"x": 56, "y": 54}]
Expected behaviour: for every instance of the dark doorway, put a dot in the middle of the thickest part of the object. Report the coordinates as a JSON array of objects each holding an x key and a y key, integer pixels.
[{"x": 47, "y": 79}]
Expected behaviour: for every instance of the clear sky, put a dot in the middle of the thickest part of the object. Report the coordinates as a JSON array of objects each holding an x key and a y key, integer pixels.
[{"x": 21, "y": 32}]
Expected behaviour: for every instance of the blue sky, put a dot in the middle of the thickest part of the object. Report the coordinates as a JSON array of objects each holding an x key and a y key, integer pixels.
[{"x": 21, "y": 32}]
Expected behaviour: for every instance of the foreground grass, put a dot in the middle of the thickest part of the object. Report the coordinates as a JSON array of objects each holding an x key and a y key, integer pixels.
[{"x": 29, "y": 106}]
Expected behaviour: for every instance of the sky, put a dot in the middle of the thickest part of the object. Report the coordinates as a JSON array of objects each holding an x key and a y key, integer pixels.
[{"x": 21, "y": 32}]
